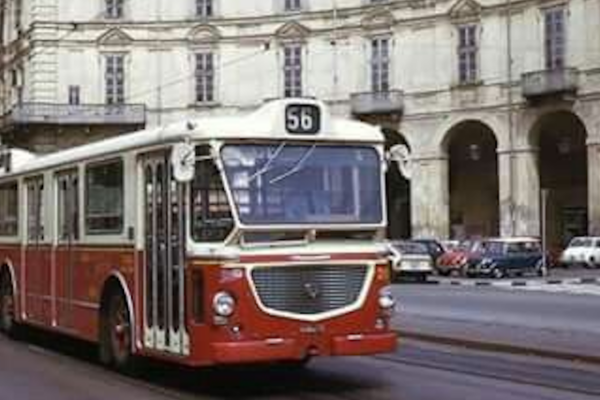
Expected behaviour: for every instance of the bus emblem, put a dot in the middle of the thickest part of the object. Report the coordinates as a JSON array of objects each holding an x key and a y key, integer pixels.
[{"x": 311, "y": 290}]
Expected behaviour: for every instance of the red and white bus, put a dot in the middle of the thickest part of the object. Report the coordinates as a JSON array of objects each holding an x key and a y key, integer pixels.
[{"x": 241, "y": 239}]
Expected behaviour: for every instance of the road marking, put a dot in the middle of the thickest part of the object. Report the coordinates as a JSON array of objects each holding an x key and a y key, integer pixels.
[
  {"x": 583, "y": 286},
  {"x": 567, "y": 287}
]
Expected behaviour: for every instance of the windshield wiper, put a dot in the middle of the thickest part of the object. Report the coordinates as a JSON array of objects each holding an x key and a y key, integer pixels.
[
  {"x": 267, "y": 166},
  {"x": 297, "y": 167}
]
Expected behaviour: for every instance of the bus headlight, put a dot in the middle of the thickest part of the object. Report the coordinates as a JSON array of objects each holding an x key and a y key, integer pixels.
[
  {"x": 223, "y": 304},
  {"x": 386, "y": 299}
]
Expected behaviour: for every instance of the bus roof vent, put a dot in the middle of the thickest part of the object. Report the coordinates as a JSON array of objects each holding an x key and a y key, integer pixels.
[{"x": 12, "y": 159}]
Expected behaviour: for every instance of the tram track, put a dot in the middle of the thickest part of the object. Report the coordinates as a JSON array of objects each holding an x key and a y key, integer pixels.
[
  {"x": 343, "y": 379},
  {"x": 530, "y": 370}
]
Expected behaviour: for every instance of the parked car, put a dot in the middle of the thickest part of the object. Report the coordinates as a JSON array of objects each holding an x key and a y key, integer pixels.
[
  {"x": 409, "y": 259},
  {"x": 582, "y": 250},
  {"x": 455, "y": 261},
  {"x": 434, "y": 247},
  {"x": 450, "y": 245},
  {"x": 509, "y": 257}
]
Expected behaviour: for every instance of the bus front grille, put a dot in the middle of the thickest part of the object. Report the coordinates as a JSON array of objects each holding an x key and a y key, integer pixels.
[{"x": 309, "y": 289}]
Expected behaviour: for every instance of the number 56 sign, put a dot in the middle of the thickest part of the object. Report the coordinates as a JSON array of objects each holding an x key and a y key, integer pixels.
[{"x": 302, "y": 119}]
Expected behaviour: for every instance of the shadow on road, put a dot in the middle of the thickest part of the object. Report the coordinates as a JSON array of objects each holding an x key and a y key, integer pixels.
[{"x": 236, "y": 382}]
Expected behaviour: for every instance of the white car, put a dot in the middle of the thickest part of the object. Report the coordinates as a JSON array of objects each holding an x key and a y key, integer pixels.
[
  {"x": 583, "y": 251},
  {"x": 410, "y": 259}
]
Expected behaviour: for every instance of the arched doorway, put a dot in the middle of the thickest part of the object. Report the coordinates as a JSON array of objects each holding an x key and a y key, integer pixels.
[
  {"x": 562, "y": 164},
  {"x": 473, "y": 181},
  {"x": 398, "y": 193}
]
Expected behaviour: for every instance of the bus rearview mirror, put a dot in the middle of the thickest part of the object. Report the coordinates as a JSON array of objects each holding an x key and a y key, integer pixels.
[{"x": 183, "y": 160}]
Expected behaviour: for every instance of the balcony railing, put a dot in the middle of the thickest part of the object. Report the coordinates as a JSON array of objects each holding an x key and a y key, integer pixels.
[
  {"x": 84, "y": 114},
  {"x": 391, "y": 102},
  {"x": 550, "y": 82}
]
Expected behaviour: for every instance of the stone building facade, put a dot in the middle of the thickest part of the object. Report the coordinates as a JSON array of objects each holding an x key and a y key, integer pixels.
[{"x": 498, "y": 100}]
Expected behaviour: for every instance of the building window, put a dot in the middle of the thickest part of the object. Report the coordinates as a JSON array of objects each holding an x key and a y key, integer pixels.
[
  {"x": 115, "y": 79},
  {"x": 114, "y": 8},
  {"x": 467, "y": 53},
  {"x": 104, "y": 198},
  {"x": 14, "y": 77},
  {"x": 554, "y": 37},
  {"x": 292, "y": 5},
  {"x": 292, "y": 70},
  {"x": 74, "y": 95},
  {"x": 380, "y": 64},
  {"x": 204, "y": 8},
  {"x": 9, "y": 209},
  {"x": 18, "y": 15},
  {"x": 205, "y": 77}
]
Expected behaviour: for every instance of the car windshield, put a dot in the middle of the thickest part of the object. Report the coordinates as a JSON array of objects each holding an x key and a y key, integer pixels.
[
  {"x": 581, "y": 242},
  {"x": 470, "y": 246},
  {"x": 304, "y": 184},
  {"x": 410, "y": 247}
]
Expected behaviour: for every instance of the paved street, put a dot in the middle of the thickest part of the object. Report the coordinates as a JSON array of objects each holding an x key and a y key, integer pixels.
[
  {"x": 556, "y": 317},
  {"x": 563, "y": 317},
  {"x": 416, "y": 371}
]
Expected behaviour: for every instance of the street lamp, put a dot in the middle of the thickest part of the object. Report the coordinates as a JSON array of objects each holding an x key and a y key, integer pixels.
[
  {"x": 564, "y": 145},
  {"x": 475, "y": 152}
]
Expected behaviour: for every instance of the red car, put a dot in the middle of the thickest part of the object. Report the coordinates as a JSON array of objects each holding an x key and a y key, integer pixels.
[{"x": 454, "y": 261}]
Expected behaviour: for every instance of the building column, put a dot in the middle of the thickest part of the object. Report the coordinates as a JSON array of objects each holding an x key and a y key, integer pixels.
[
  {"x": 505, "y": 194},
  {"x": 593, "y": 166},
  {"x": 430, "y": 197},
  {"x": 526, "y": 193},
  {"x": 519, "y": 195}
]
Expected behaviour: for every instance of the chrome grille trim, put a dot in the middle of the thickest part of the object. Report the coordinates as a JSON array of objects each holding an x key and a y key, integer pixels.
[{"x": 309, "y": 291}]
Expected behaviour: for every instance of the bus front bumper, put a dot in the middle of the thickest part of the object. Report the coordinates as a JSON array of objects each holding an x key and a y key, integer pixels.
[{"x": 292, "y": 349}]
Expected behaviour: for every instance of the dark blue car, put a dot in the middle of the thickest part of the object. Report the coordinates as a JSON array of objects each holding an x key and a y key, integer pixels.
[{"x": 509, "y": 257}]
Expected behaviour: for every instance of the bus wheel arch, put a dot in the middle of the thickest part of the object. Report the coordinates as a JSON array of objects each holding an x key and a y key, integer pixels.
[
  {"x": 7, "y": 299},
  {"x": 116, "y": 333}
]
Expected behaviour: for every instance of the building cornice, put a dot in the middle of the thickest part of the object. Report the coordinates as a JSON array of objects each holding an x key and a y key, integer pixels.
[{"x": 392, "y": 14}]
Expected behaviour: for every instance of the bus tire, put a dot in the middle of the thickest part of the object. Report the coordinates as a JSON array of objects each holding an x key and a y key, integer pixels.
[
  {"x": 295, "y": 365},
  {"x": 115, "y": 332},
  {"x": 7, "y": 304}
]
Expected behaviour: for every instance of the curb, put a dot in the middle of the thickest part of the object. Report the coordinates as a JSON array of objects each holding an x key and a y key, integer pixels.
[
  {"x": 503, "y": 283},
  {"x": 498, "y": 347}
]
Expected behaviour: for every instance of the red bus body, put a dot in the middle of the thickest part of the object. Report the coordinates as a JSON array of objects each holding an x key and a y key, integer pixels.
[{"x": 61, "y": 286}]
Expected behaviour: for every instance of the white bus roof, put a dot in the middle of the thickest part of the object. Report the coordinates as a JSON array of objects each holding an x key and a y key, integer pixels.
[{"x": 266, "y": 123}]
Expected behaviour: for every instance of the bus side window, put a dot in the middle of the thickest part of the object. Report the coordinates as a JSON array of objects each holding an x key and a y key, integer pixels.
[
  {"x": 210, "y": 210},
  {"x": 9, "y": 209},
  {"x": 104, "y": 198}
]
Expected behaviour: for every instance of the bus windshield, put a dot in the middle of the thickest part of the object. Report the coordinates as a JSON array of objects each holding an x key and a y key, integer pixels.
[{"x": 288, "y": 184}]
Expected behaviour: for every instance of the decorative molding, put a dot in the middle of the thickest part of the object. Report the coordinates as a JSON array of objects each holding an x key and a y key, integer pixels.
[
  {"x": 204, "y": 33},
  {"x": 415, "y": 4},
  {"x": 546, "y": 4},
  {"x": 465, "y": 10},
  {"x": 378, "y": 19},
  {"x": 114, "y": 37},
  {"x": 292, "y": 31}
]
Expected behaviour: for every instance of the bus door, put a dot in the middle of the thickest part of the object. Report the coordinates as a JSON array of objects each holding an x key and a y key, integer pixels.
[
  {"x": 37, "y": 260},
  {"x": 164, "y": 257},
  {"x": 68, "y": 236}
]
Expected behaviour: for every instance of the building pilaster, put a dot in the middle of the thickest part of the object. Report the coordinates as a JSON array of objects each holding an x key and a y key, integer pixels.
[
  {"x": 429, "y": 197},
  {"x": 520, "y": 195},
  {"x": 593, "y": 168}
]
